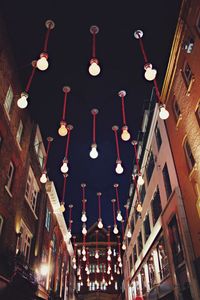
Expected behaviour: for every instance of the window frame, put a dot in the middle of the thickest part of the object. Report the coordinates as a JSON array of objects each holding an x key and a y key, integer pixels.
[
  {"x": 189, "y": 156},
  {"x": 1, "y": 224},
  {"x": 10, "y": 178},
  {"x": 48, "y": 219},
  {"x": 197, "y": 23},
  {"x": 19, "y": 133},
  {"x": 25, "y": 241},
  {"x": 167, "y": 181},
  {"x": 158, "y": 137},
  {"x": 8, "y": 101},
  {"x": 31, "y": 193}
]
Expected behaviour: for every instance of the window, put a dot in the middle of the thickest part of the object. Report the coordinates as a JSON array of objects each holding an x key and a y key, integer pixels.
[
  {"x": 134, "y": 254},
  {"x": 175, "y": 242},
  {"x": 198, "y": 23},
  {"x": 10, "y": 176},
  {"x": 151, "y": 269},
  {"x": 31, "y": 191},
  {"x": 156, "y": 206},
  {"x": 167, "y": 183},
  {"x": 25, "y": 241},
  {"x": 158, "y": 137},
  {"x": 142, "y": 193},
  {"x": 1, "y": 141},
  {"x": 132, "y": 224},
  {"x": 19, "y": 133},
  {"x": 1, "y": 224},
  {"x": 48, "y": 219},
  {"x": 187, "y": 74},
  {"x": 147, "y": 228},
  {"x": 189, "y": 155},
  {"x": 140, "y": 244},
  {"x": 39, "y": 147},
  {"x": 149, "y": 165},
  {"x": 163, "y": 260},
  {"x": 176, "y": 109},
  {"x": 8, "y": 100}
]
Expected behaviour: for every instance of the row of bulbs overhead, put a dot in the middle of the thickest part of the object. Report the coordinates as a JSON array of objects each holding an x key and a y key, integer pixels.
[{"x": 94, "y": 69}]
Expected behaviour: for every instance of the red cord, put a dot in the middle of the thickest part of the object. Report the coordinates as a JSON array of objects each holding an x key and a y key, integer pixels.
[
  {"x": 117, "y": 145},
  {"x": 46, "y": 39},
  {"x": 117, "y": 197},
  {"x": 70, "y": 217},
  {"x": 64, "y": 106},
  {"x": 114, "y": 217},
  {"x": 123, "y": 111},
  {"x": 83, "y": 197},
  {"x": 96, "y": 239},
  {"x": 94, "y": 128},
  {"x": 67, "y": 145},
  {"x": 94, "y": 45},
  {"x": 157, "y": 90},
  {"x": 136, "y": 158},
  {"x": 64, "y": 189},
  {"x": 99, "y": 203},
  {"x": 143, "y": 51},
  {"x": 30, "y": 78}
]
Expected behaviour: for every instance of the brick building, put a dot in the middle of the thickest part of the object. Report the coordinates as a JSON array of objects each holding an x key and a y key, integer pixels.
[{"x": 28, "y": 209}]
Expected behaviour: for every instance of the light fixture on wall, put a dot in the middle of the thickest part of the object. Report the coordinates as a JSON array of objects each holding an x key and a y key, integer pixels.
[
  {"x": 150, "y": 75},
  {"x": 100, "y": 223},
  {"x": 138, "y": 204},
  {"x": 123, "y": 241},
  {"x": 94, "y": 152},
  {"x": 140, "y": 179},
  {"x": 125, "y": 134},
  {"x": 42, "y": 63},
  {"x": 119, "y": 169},
  {"x": 94, "y": 68},
  {"x": 43, "y": 178},
  {"x": 96, "y": 251},
  {"x": 70, "y": 221},
  {"x": 64, "y": 168},
  {"x": 62, "y": 204},
  {"x": 128, "y": 234},
  {"x": 119, "y": 214},
  {"x": 115, "y": 229},
  {"x": 84, "y": 216},
  {"x": 22, "y": 101},
  {"x": 62, "y": 131}
]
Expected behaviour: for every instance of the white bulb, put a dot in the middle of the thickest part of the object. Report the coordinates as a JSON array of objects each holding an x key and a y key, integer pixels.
[
  {"x": 108, "y": 258},
  {"x": 22, "y": 102},
  {"x": 139, "y": 208},
  {"x": 83, "y": 251},
  {"x": 140, "y": 180},
  {"x": 84, "y": 217},
  {"x": 123, "y": 246},
  {"x": 62, "y": 207},
  {"x": 42, "y": 63},
  {"x": 84, "y": 230},
  {"x": 64, "y": 169},
  {"x": 111, "y": 277},
  {"x": 44, "y": 269},
  {"x": 62, "y": 131},
  {"x": 94, "y": 152},
  {"x": 129, "y": 233},
  {"x": 94, "y": 68},
  {"x": 108, "y": 272},
  {"x": 163, "y": 113},
  {"x": 74, "y": 266},
  {"x": 119, "y": 216},
  {"x": 109, "y": 282},
  {"x": 119, "y": 169},
  {"x": 43, "y": 178},
  {"x": 97, "y": 255},
  {"x": 115, "y": 230},
  {"x": 125, "y": 134},
  {"x": 88, "y": 272},
  {"x": 98, "y": 270},
  {"x": 69, "y": 234},
  {"x": 109, "y": 251},
  {"x": 81, "y": 283},
  {"x": 100, "y": 224},
  {"x": 150, "y": 74},
  {"x": 120, "y": 264},
  {"x": 74, "y": 259},
  {"x": 119, "y": 258},
  {"x": 84, "y": 258}
]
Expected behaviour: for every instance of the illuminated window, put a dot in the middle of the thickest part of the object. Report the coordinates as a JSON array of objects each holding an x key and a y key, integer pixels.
[
  {"x": 189, "y": 155},
  {"x": 151, "y": 269},
  {"x": 19, "y": 133},
  {"x": 8, "y": 100},
  {"x": 39, "y": 147}
]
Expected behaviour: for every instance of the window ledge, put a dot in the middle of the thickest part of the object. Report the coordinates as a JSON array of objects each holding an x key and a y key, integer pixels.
[
  {"x": 8, "y": 191},
  {"x": 36, "y": 217}
]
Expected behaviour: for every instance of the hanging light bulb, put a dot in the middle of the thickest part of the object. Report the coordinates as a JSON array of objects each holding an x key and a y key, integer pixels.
[
  {"x": 109, "y": 251},
  {"x": 83, "y": 217},
  {"x": 64, "y": 168},
  {"x": 81, "y": 283},
  {"x": 97, "y": 254},
  {"x": 111, "y": 277},
  {"x": 22, "y": 101},
  {"x": 88, "y": 279},
  {"x": 96, "y": 282},
  {"x": 86, "y": 268},
  {"x": 100, "y": 224},
  {"x": 62, "y": 131},
  {"x": 69, "y": 233},
  {"x": 115, "y": 229},
  {"x": 119, "y": 258},
  {"x": 125, "y": 134},
  {"x": 140, "y": 180},
  {"x": 78, "y": 271},
  {"x": 83, "y": 251},
  {"x": 88, "y": 272},
  {"x": 108, "y": 271},
  {"x": 163, "y": 113},
  {"x": 108, "y": 258},
  {"x": 74, "y": 266},
  {"x": 119, "y": 216},
  {"x": 84, "y": 258},
  {"x": 120, "y": 264},
  {"x": 62, "y": 207},
  {"x": 129, "y": 233},
  {"x": 118, "y": 271},
  {"x": 123, "y": 246},
  {"x": 43, "y": 178},
  {"x": 79, "y": 277},
  {"x": 98, "y": 270},
  {"x": 150, "y": 73},
  {"x": 119, "y": 169},
  {"x": 139, "y": 207},
  {"x": 84, "y": 229},
  {"x": 109, "y": 282},
  {"x": 42, "y": 63},
  {"x": 74, "y": 259},
  {"x": 94, "y": 152},
  {"x": 94, "y": 68},
  {"x": 103, "y": 281}
]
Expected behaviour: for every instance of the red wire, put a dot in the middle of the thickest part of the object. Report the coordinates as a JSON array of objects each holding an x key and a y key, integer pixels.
[
  {"x": 157, "y": 90},
  {"x": 99, "y": 202},
  {"x": 70, "y": 217},
  {"x": 94, "y": 128},
  {"x": 117, "y": 145},
  {"x": 123, "y": 111},
  {"x": 46, "y": 39},
  {"x": 117, "y": 196},
  {"x": 114, "y": 217},
  {"x": 64, "y": 189},
  {"x": 96, "y": 240},
  {"x": 64, "y": 106},
  {"x": 30, "y": 78},
  {"x": 83, "y": 192},
  {"x": 67, "y": 145},
  {"x": 84, "y": 235},
  {"x": 94, "y": 45},
  {"x": 143, "y": 51},
  {"x": 136, "y": 158},
  {"x": 45, "y": 162}
]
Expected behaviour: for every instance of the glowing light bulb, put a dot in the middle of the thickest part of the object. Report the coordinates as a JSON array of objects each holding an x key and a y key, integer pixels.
[
  {"x": 108, "y": 258},
  {"x": 119, "y": 216},
  {"x": 96, "y": 282},
  {"x": 43, "y": 178},
  {"x": 83, "y": 251},
  {"x": 88, "y": 279},
  {"x": 163, "y": 113},
  {"x": 81, "y": 283},
  {"x": 100, "y": 224},
  {"x": 44, "y": 269},
  {"x": 84, "y": 230},
  {"x": 120, "y": 264},
  {"x": 83, "y": 217},
  {"x": 109, "y": 251},
  {"x": 74, "y": 259},
  {"x": 69, "y": 233},
  {"x": 123, "y": 246},
  {"x": 139, "y": 207},
  {"x": 62, "y": 207},
  {"x": 74, "y": 266},
  {"x": 125, "y": 134},
  {"x": 150, "y": 74},
  {"x": 64, "y": 169},
  {"x": 119, "y": 258},
  {"x": 79, "y": 277},
  {"x": 111, "y": 277},
  {"x": 42, "y": 63},
  {"x": 129, "y": 233},
  {"x": 118, "y": 271},
  {"x": 88, "y": 272},
  {"x": 115, "y": 229},
  {"x": 98, "y": 270},
  {"x": 119, "y": 169},
  {"x": 97, "y": 254},
  {"x": 94, "y": 68},
  {"x": 140, "y": 180},
  {"x": 108, "y": 271},
  {"x": 84, "y": 258},
  {"x": 22, "y": 101},
  {"x": 94, "y": 153},
  {"x": 62, "y": 131},
  {"x": 103, "y": 280},
  {"x": 109, "y": 282}
]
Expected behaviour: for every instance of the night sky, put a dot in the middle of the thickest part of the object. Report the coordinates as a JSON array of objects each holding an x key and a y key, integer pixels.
[{"x": 121, "y": 61}]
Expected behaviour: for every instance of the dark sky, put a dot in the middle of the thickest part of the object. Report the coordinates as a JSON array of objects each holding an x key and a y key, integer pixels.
[{"x": 69, "y": 49}]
